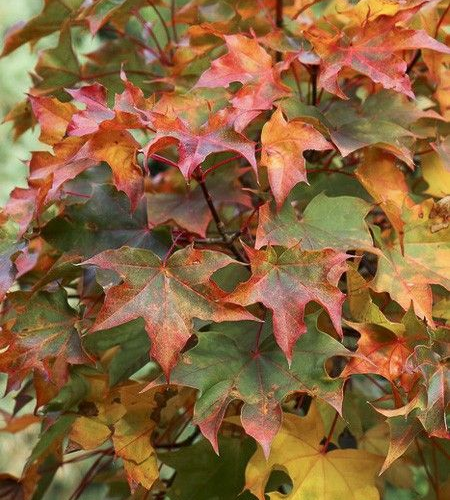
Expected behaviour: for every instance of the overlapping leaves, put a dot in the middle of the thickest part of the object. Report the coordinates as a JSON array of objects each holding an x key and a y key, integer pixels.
[{"x": 251, "y": 197}]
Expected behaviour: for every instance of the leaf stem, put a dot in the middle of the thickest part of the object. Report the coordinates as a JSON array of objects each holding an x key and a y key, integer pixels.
[
  {"x": 441, "y": 20},
  {"x": 172, "y": 15},
  {"x": 439, "y": 447},
  {"x": 225, "y": 162},
  {"x": 279, "y": 14},
  {"x": 314, "y": 71},
  {"x": 427, "y": 470},
  {"x": 330, "y": 434},
  {"x": 413, "y": 61},
  {"x": 156, "y": 10},
  {"x": 218, "y": 221},
  {"x": 172, "y": 247}
]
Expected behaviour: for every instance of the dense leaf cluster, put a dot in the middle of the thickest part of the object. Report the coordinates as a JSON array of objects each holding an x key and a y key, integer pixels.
[{"x": 236, "y": 231}]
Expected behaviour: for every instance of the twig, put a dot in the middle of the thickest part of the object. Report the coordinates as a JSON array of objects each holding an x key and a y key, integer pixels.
[
  {"x": 218, "y": 221},
  {"x": 225, "y": 162},
  {"x": 330, "y": 434},
  {"x": 279, "y": 14},
  {"x": 427, "y": 470},
  {"x": 441, "y": 20},
  {"x": 166, "y": 29},
  {"x": 314, "y": 71},
  {"x": 413, "y": 61},
  {"x": 172, "y": 15}
]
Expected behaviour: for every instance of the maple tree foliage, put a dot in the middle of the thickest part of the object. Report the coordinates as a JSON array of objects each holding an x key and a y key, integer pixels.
[{"x": 227, "y": 276}]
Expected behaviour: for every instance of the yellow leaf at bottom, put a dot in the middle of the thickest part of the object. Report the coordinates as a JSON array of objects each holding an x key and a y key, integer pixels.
[{"x": 335, "y": 475}]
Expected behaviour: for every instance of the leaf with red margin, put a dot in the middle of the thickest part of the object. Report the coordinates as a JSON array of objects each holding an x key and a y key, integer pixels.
[
  {"x": 371, "y": 51},
  {"x": 326, "y": 222},
  {"x": 283, "y": 145},
  {"x": 8, "y": 248},
  {"x": 425, "y": 260},
  {"x": 285, "y": 280},
  {"x": 89, "y": 120},
  {"x": 432, "y": 363},
  {"x": 74, "y": 155},
  {"x": 384, "y": 351},
  {"x": 386, "y": 184},
  {"x": 253, "y": 369},
  {"x": 53, "y": 116},
  {"x": 167, "y": 295},
  {"x": 43, "y": 337},
  {"x": 128, "y": 111},
  {"x": 248, "y": 63},
  {"x": 194, "y": 145}
]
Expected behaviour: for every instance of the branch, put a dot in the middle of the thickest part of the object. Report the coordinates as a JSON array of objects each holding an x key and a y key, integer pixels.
[
  {"x": 218, "y": 221},
  {"x": 279, "y": 14},
  {"x": 314, "y": 71},
  {"x": 413, "y": 61},
  {"x": 172, "y": 15},
  {"x": 330, "y": 434}
]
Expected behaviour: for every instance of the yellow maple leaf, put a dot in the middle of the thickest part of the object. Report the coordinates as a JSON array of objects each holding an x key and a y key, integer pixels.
[{"x": 315, "y": 474}]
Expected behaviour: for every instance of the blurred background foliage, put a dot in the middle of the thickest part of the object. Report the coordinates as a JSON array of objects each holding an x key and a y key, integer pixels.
[{"x": 14, "y": 82}]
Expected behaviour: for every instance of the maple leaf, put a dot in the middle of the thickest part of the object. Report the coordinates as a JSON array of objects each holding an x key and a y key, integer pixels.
[
  {"x": 248, "y": 63},
  {"x": 407, "y": 276},
  {"x": 53, "y": 15},
  {"x": 337, "y": 474},
  {"x": 255, "y": 371},
  {"x": 53, "y": 117},
  {"x": 57, "y": 68},
  {"x": 121, "y": 415},
  {"x": 385, "y": 350},
  {"x": 74, "y": 155},
  {"x": 188, "y": 209},
  {"x": 285, "y": 280},
  {"x": 101, "y": 12},
  {"x": 8, "y": 248},
  {"x": 432, "y": 364},
  {"x": 371, "y": 51},
  {"x": 44, "y": 337},
  {"x": 325, "y": 223},
  {"x": 386, "y": 120},
  {"x": 437, "y": 175},
  {"x": 195, "y": 145},
  {"x": 98, "y": 116},
  {"x": 130, "y": 344},
  {"x": 85, "y": 229},
  {"x": 168, "y": 295},
  {"x": 221, "y": 477},
  {"x": 387, "y": 186},
  {"x": 89, "y": 120},
  {"x": 283, "y": 145}
]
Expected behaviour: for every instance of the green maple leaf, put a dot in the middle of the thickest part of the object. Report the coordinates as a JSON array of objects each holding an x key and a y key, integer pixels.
[{"x": 254, "y": 369}]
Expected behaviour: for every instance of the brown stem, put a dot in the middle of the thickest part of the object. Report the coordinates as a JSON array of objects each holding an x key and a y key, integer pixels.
[
  {"x": 172, "y": 15},
  {"x": 279, "y": 14},
  {"x": 218, "y": 221},
  {"x": 225, "y": 162},
  {"x": 439, "y": 447},
  {"x": 330, "y": 434},
  {"x": 162, "y": 56},
  {"x": 413, "y": 61},
  {"x": 166, "y": 29},
  {"x": 427, "y": 470},
  {"x": 314, "y": 71},
  {"x": 441, "y": 20}
]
